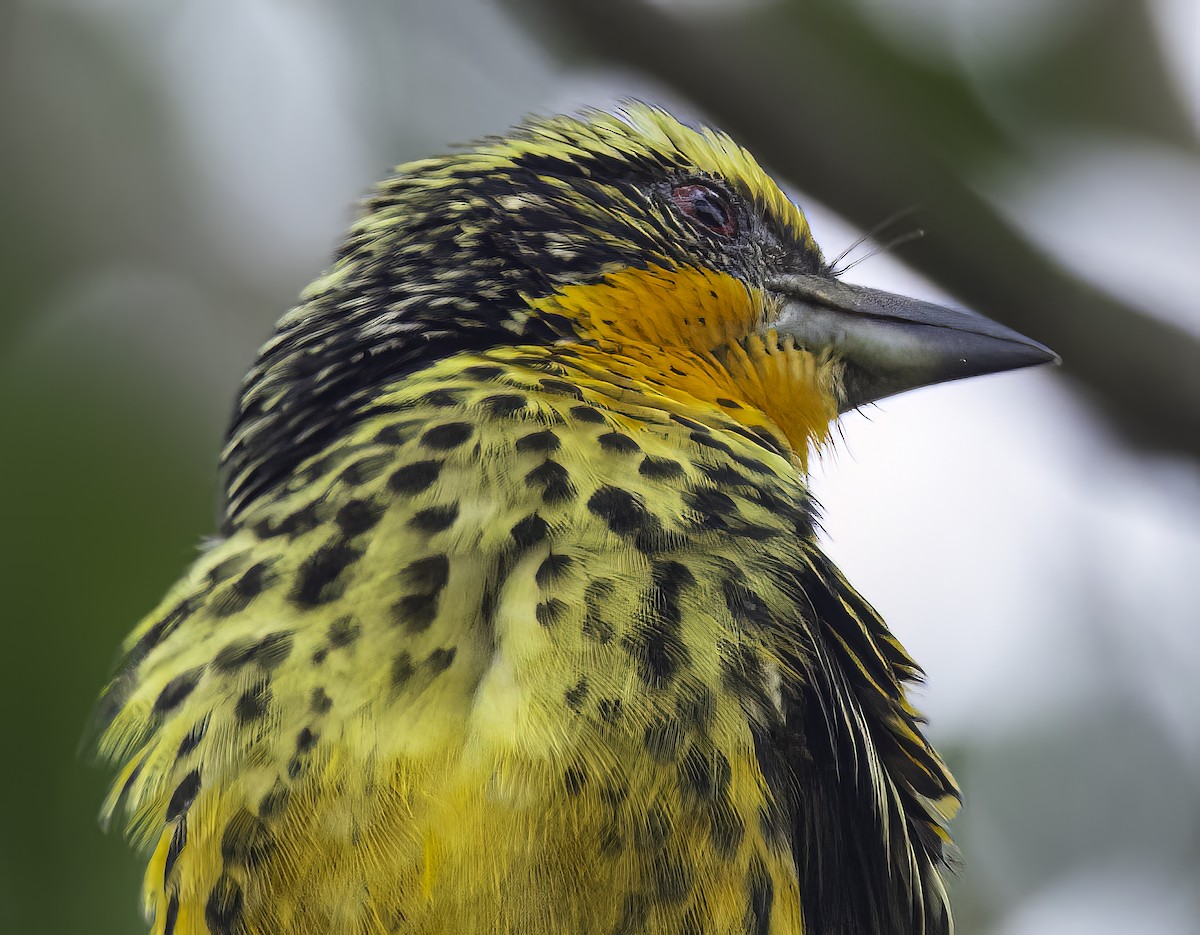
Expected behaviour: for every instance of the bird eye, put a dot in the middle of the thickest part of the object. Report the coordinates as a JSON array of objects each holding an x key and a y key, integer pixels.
[{"x": 707, "y": 207}]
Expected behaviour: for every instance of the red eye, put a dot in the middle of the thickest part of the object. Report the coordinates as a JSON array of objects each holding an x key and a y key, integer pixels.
[{"x": 707, "y": 207}]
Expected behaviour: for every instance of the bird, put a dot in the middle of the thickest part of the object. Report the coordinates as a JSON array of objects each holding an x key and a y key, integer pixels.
[{"x": 517, "y": 617}]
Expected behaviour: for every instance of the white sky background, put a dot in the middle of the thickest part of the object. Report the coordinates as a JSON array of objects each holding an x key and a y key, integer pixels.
[{"x": 1033, "y": 566}]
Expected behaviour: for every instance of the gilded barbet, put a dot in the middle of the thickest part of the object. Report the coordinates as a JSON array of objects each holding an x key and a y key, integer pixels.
[{"x": 517, "y": 620}]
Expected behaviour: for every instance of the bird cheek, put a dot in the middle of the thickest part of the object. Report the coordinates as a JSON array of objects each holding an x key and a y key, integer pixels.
[{"x": 690, "y": 308}]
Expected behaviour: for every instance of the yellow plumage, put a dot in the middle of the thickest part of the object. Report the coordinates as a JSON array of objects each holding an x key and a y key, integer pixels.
[{"x": 517, "y": 621}]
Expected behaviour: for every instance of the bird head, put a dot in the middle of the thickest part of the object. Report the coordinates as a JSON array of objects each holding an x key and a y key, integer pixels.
[{"x": 654, "y": 251}]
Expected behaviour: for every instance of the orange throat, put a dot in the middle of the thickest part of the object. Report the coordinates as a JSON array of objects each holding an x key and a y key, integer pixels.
[{"x": 701, "y": 339}]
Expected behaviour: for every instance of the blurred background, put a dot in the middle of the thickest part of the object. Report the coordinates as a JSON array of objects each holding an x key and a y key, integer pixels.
[{"x": 173, "y": 173}]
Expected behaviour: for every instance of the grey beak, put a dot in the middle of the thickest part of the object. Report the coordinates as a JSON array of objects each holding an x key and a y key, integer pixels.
[{"x": 891, "y": 343}]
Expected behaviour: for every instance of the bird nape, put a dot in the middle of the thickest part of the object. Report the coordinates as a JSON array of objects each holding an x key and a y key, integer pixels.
[{"x": 517, "y": 619}]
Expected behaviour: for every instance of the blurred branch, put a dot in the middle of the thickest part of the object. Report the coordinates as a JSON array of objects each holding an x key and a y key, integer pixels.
[{"x": 783, "y": 85}]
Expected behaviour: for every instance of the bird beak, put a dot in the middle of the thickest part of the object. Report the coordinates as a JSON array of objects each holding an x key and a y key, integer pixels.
[{"x": 891, "y": 343}]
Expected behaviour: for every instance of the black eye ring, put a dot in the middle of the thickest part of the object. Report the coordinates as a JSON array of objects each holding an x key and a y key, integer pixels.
[{"x": 706, "y": 207}]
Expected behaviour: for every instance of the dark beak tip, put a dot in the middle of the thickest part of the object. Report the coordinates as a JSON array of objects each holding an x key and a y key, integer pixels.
[
  {"x": 1037, "y": 354},
  {"x": 1004, "y": 356}
]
